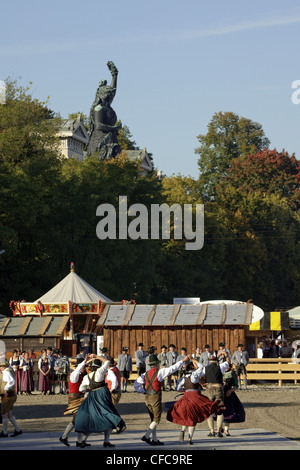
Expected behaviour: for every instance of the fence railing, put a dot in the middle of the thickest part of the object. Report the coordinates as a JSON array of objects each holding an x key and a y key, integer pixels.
[{"x": 277, "y": 369}]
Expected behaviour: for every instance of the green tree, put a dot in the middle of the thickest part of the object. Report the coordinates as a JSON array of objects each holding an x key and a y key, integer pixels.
[
  {"x": 229, "y": 137},
  {"x": 29, "y": 169},
  {"x": 125, "y": 138},
  {"x": 192, "y": 273},
  {"x": 28, "y": 128}
]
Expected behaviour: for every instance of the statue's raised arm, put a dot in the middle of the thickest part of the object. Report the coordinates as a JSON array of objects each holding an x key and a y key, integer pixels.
[{"x": 114, "y": 73}]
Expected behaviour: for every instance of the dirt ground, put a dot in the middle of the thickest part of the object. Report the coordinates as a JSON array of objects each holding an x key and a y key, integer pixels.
[{"x": 269, "y": 407}]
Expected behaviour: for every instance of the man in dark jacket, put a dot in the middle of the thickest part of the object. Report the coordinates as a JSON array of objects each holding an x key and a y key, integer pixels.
[{"x": 214, "y": 391}]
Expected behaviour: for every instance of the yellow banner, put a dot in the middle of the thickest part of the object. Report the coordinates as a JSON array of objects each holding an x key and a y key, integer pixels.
[
  {"x": 275, "y": 320},
  {"x": 255, "y": 326}
]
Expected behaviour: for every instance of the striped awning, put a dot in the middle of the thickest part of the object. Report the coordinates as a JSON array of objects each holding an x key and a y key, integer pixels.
[{"x": 272, "y": 321}]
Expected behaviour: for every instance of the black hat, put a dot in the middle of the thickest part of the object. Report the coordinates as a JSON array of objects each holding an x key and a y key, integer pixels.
[
  {"x": 163, "y": 346},
  {"x": 141, "y": 344},
  {"x": 240, "y": 345},
  {"x": 222, "y": 344},
  {"x": 124, "y": 348},
  {"x": 104, "y": 350},
  {"x": 172, "y": 346},
  {"x": 213, "y": 358},
  {"x": 96, "y": 363},
  {"x": 153, "y": 359},
  {"x": 183, "y": 349},
  {"x": 206, "y": 346}
]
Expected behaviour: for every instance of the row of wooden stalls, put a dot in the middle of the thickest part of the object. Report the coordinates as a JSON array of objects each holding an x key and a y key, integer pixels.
[{"x": 73, "y": 315}]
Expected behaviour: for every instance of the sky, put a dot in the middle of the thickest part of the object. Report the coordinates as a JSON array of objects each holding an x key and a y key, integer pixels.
[{"x": 179, "y": 63}]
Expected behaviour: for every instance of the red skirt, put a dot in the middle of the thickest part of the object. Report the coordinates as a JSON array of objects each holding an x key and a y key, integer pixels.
[{"x": 192, "y": 408}]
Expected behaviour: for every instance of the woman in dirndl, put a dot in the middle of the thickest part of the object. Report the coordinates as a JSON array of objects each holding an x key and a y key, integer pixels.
[
  {"x": 192, "y": 407},
  {"x": 27, "y": 384},
  {"x": 97, "y": 413},
  {"x": 234, "y": 411},
  {"x": 44, "y": 373},
  {"x": 14, "y": 363}
]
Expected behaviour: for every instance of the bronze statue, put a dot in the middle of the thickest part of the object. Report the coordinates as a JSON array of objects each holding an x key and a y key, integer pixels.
[{"x": 103, "y": 131}]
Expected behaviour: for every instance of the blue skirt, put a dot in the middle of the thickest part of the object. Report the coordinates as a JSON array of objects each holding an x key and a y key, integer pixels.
[{"x": 97, "y": 413}]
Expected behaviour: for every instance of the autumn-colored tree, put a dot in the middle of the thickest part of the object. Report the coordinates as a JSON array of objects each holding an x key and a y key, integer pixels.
[
  {"x": 260, "y": 197},
  {"x": 266, "y": 171}
]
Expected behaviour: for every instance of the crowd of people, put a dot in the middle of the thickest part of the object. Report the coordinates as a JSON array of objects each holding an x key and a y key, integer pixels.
[
  {"x": 273, "y": 348},
  {"x": 53, "y": 370},
  {"x": 208, "y": 379}
]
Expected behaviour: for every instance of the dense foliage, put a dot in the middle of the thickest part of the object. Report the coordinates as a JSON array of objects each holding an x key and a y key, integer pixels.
[{"x": 48, "y": 216}]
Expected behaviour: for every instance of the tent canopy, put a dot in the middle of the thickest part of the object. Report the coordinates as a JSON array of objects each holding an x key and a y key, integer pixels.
[
  {"x": 73, "y": 288},
  {"x": 295, "y": 313}
]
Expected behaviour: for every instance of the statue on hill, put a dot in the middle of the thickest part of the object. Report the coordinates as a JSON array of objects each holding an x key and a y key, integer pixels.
[{"x": 103, "y": 131}]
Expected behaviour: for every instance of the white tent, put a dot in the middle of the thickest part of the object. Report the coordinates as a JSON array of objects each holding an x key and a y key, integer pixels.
[
  {"x": 294, "y": 313},
  {"x": 73, "y": 288}
]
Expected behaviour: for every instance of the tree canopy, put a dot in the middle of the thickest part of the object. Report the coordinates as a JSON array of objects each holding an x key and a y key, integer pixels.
[
  {"x": 229, "y": 137},
  {"x": 48, "y": 215}
]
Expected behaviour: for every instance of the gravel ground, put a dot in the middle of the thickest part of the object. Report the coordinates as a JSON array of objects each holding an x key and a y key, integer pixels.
[{"x": 269, "y": 407}]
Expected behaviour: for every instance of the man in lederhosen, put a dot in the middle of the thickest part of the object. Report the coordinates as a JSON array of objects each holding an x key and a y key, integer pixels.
[
  {"x": 240, "y": 359},
  {"x": 150, "y": 383},
  {"x": 9, "y": 397},
  {"x": 213, "y": 374}
]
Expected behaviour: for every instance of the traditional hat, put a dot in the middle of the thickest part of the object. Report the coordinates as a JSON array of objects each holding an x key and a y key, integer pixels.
[
  {"x": 104, "y": 350},
  {"x": 141, "y": 344},
  {"x": 96, "y": 363},
  {"x": 124, "y": 348},
  {"x": 153, "y": 359},
  {"x": 151, "y": 349},
  {"x": 183, "y": 349},
  {"x": 222, "y": 344},
  {"x": 206, "y": 346},
  {"x": 213, "y": 358},
  {"x": 240, "y": 345},
  {"x": 172, "y": 346},
  {"x": 163, "y": 346}
]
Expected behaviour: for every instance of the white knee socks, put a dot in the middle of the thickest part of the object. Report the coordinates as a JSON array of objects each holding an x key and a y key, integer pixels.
[
  {"x": 13, "y": 420},
  {"x": 152, "y": 430},
  {"x": 68, "y": 430}
]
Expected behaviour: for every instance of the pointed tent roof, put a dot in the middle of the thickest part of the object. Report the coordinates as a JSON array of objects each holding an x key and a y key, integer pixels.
[{"x": 73, "y": 288}]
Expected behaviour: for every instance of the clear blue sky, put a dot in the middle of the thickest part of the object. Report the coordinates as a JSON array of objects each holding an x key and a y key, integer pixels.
[{"x": 179, "y": 63}]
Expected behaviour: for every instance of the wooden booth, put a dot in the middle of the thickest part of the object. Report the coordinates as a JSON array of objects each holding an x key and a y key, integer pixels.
[{"x": 188, "y": 326}]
